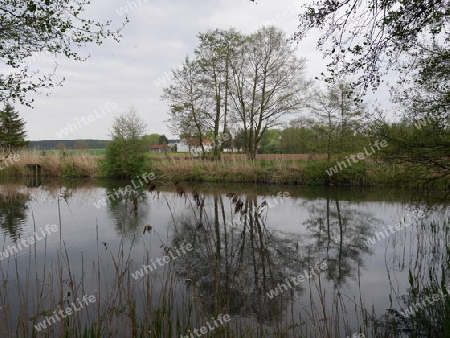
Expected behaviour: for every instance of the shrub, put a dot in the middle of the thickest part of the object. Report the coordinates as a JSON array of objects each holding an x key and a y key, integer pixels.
[{"x": 126, "y": 153}]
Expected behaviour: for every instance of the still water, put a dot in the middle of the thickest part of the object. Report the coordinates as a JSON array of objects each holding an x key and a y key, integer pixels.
[{"x": 190, "y": 260}]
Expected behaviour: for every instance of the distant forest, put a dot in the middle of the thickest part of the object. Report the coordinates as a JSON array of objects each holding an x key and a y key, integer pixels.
[{"x": 67, "y": 144}]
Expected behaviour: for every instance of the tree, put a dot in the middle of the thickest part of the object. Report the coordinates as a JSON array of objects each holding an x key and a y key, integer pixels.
[
  {"x": 225, "y": 140},
  {"x": 162, "y": 139},
  {"x": 412, "y": 37},
  {"x": 126, "y": 153},
  {"x": 427, "y": 93},
  {"x": 12, "y": 129},
  {"x": 151, "y": 139},
  {"x": 368, "y": 37},
  {"x": 215, "y": 55},
  {"x": 56, "y": 27},
  {"x": 81, "y": 144},
  {"x": 199, "y": 94},
  {"x": 249, "y": 81},
  {"x": 188, "y": 103},
  {"x": 268, "y": 83},
  {"x": 339, "y": 115},
  {"x": 423, "y": 136},
  {"x": 297, "y": 140},
  {"x": 61, "y": 146},
  {"x": 239, "y": 140},
  {"x": 270, "y": 142}
]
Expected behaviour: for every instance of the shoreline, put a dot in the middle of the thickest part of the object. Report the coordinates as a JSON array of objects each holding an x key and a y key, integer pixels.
[{"x": 276, "y": 171}]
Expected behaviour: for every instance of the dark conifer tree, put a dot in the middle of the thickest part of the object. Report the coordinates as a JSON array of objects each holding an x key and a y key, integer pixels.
[{"x": 12, "y": 129}]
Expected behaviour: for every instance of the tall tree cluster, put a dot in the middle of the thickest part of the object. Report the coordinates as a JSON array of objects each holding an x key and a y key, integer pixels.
[
  {"x": 236, "y": 82},
  {"x": 339, "y": 118},
  {"x": 369, "y": 38}
]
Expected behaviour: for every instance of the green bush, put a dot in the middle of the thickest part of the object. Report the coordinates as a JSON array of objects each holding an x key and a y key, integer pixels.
[
  {"x": 354, "y": 174},
  {"x": 126, "y": 155},
  {"x": 124, "y": 159},
  {"x": 315, "y": 172}
]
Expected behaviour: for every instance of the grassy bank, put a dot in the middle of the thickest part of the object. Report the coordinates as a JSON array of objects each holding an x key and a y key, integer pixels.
[
  {"x": 312, "y": 172},
  {"x": 276, "y": 169},
  {"x": 53, "y": 164}
]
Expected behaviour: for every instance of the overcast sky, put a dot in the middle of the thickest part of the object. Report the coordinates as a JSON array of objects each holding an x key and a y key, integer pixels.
[{"x": 133, "y": 72}]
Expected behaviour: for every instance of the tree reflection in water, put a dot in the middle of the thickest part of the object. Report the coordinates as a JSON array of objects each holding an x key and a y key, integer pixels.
[
  {"x": 423, "y": 258},
  {"x": 13, "y": 211},
  {"x": 233, "y": 268},
  {"x": 234, "y": 265},
  {"x": 338, "y": 232},
  {"x": 129, "y": 210}
]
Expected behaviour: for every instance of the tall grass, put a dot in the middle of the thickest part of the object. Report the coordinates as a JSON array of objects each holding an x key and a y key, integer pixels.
[
  {"x": 156, "y": 305},
  {"x": 123, "y": 308},
  {"x": 311, "y": 171},
  {"x": 228, "y": 272},
  {"x": 229, "y": 170},
  {"x": 54, "y": 164}
]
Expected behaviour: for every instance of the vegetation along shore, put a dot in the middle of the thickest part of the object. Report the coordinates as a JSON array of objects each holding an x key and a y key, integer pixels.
[{"x": 297, "y": 169}]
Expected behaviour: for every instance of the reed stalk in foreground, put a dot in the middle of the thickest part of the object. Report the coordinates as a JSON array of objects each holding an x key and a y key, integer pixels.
[{"x": 229, "y": 271}]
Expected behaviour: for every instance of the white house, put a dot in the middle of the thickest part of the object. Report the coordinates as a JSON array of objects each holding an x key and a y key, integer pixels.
[{"x": 183, "y": 147}]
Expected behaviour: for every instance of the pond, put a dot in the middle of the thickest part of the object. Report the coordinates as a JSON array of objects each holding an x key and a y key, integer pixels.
[{"x": 96, "y": 259}]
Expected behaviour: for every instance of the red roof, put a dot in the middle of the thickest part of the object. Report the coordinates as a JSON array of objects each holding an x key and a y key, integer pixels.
[{"x": 157, "y": 146}]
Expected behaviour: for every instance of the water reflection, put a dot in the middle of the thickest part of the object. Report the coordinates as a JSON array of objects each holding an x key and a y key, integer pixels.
[
  {"x": 13, "y": 211},
  {"x": 128, "y": 209},
  {"x": 338, "y": 231},
  {"x": 245, "y": 257},
  {"x": 239, "y": 262},
  {"x": 424, "y": 309}
]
